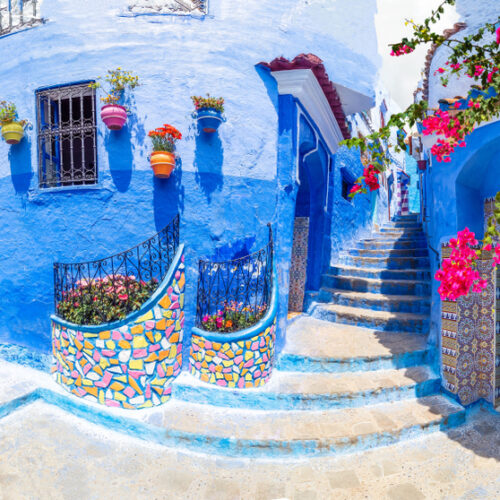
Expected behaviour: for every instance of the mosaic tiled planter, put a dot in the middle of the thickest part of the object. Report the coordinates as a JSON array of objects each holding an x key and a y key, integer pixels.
[
  {"x": 237, "y": 360},
  {"x": 129, "y": 363}
]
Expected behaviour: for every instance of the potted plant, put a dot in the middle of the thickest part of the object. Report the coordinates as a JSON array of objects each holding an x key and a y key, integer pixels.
[
  {"x": 208, "y": 112},
  {"x": 163, "y": 157},
  {"x": 12, "y": 128},
  {"x": 114, "y": 115}
]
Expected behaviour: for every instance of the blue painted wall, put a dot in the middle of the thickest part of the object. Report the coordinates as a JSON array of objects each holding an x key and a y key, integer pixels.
[{"x": 228, "y": 186}]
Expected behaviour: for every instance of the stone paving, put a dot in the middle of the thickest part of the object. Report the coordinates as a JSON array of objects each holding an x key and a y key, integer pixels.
[{"x": 48, "y": 454}]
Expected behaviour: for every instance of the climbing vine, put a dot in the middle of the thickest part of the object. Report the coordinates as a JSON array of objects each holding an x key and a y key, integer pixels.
[{"x": 475, "y": 56}]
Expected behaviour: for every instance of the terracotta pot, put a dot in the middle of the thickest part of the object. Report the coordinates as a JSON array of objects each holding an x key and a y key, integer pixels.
[
  {"x": 12, "y": 132},
  {"x": 162, "y": 163},
  {"x": 209, "y": 119},
  {"x": 114, "y": 116}
]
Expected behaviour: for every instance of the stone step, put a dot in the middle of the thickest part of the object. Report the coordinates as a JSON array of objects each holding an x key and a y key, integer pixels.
[
  {"x": 381, "y": 320},
  {"x": 375, "y": 301},
  {"x": 396, "y": 244},
  {"x": 369, "y": 272},
  {"x": 244, "y": 432},
  {"x": 386, "y": 263},
  {"x": 418, "y": 238},
  {"x": 405, "y": 231},
  {"x": 384, "y": 286},
  {"x": 316, "y": 345},
  {"x": 389, "y": 252},
  {"x": 404, "y": 224},
  {"x": 314, "y": 391}
]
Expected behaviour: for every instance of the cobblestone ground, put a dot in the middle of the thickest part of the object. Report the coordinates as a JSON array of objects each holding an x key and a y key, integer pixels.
[{"x": 48, "y": 454}]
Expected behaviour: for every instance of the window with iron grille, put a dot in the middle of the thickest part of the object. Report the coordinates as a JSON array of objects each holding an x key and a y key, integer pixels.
[
  {"x": 66, "y": 136},
  {"x": 18, "y": 14}
]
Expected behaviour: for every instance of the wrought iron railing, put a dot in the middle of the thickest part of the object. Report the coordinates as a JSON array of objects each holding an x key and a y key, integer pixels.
[
  {"x": 108, "y": 289},
  {"x": 236, "y": 288},
  {"x": 18, "y": 14}
]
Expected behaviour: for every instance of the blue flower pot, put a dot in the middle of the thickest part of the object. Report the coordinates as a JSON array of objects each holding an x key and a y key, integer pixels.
[{"x": 209, "y": 119}]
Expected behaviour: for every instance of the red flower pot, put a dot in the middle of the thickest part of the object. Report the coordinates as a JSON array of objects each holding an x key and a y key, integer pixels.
[{"x": 114, "y": 116}]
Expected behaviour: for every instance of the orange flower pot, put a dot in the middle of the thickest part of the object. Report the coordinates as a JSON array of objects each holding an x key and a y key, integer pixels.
[{"x": 162, "y": 163}]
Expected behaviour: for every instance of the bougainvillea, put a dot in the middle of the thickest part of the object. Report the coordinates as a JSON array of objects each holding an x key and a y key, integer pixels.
[
  {"x": 476, "y": 56},
  {"x": 369, "y": 178},
  {"x": 458, "y": 275},
  {"x": 164, "y": 138},
  {"x": 233, "y": 317},
  {"x": 96, "y": 301}
]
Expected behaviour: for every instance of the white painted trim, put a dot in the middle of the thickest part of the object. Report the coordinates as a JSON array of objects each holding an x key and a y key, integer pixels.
[{"x": 304, "y": 86}]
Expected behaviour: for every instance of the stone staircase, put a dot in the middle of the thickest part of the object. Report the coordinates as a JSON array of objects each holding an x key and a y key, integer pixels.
[{"x": 355, "y": 371}]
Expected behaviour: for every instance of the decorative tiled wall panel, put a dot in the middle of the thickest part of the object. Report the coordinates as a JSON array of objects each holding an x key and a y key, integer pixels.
[
  {"x": 298, "y": 268},
  {"x": 128, "y": 364}
]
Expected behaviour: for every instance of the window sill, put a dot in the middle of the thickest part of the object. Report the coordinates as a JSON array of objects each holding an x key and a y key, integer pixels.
[{"x": 35, "y": 193}]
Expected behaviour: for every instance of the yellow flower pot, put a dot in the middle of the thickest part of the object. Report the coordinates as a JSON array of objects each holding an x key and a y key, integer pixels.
[{"x": 12, "y": 132}]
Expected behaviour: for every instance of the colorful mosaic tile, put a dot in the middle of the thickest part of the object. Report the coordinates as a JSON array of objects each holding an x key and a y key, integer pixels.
[
  {"x": 131, "y": 366},
  {"x": 240, "y": 364}
]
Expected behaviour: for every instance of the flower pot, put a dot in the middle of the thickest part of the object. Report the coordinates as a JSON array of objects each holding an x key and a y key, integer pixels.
[
  {"x": 114, "y": 116},
  {"x": 162, "y": 163},
  {"x": 422, "y": 164},
  {"x": 209, "y": 119},
  {"x": 12, "y": 132}
]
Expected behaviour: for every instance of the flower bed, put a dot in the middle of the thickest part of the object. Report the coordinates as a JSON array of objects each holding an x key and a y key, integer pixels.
[
  {"x": 233, "y": 317},
  {"x": 111, "y": 298}
]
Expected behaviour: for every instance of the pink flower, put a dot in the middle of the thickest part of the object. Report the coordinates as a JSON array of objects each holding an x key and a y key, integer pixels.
[
  {"x": 487, "y": 247},
  {"x": 123, "y": 296},
  {"x": 218, "y": 322},
  {"x": 498, "y": 35},
  {"x": 205, "y": 318}
]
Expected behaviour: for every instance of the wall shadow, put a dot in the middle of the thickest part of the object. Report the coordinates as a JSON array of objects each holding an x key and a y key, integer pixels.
[
  {"x": 21, "y": 169},
  {"x": 168, "y": 197},
  {"x": 120, "y": 157},
  {"x": 208, "y": 159}
]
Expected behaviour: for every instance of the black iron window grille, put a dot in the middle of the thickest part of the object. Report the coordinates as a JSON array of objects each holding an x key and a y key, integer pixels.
[
  {"x": 18, "y": 14},
  {"x": 235, "y": 294},
  {"x": 178, "y": 7},
  {"x": 67, "y": 152},
  {"x": 99, "y": 291}
]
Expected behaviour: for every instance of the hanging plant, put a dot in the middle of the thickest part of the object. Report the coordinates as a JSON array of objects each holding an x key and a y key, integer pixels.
[
  {"x": 163, "y": 156},
  {"x": 114, "y": 84},
  {"x": 208, "y": 112},
  {"x": 12, "y": 128}
]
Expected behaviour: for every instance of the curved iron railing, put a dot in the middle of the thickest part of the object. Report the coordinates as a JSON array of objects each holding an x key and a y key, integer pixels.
[
  {"x": 239, "y": 288},
  {"x": 99, "y": 291}
]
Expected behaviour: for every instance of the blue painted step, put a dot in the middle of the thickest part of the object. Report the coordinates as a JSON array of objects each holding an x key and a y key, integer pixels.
[
  {"x": 368, "y": 272},
  {"x": 375, "y": 301},
  {"x": 386, "y": 263},
  {"x": 315, "y": 391},
  {"x": 380, "y": 320},
  {"x": 384, "y": 244},
  {"x": 323, "y": 346},
  {"x": 389, "y": 252},
  {"x": 386, "y": 286}
]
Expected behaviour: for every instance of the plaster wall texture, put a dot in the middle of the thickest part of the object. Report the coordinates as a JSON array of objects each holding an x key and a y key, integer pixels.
[
  {"x": 227, "y": 186},
  {"x": 455, "y": 191}
]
